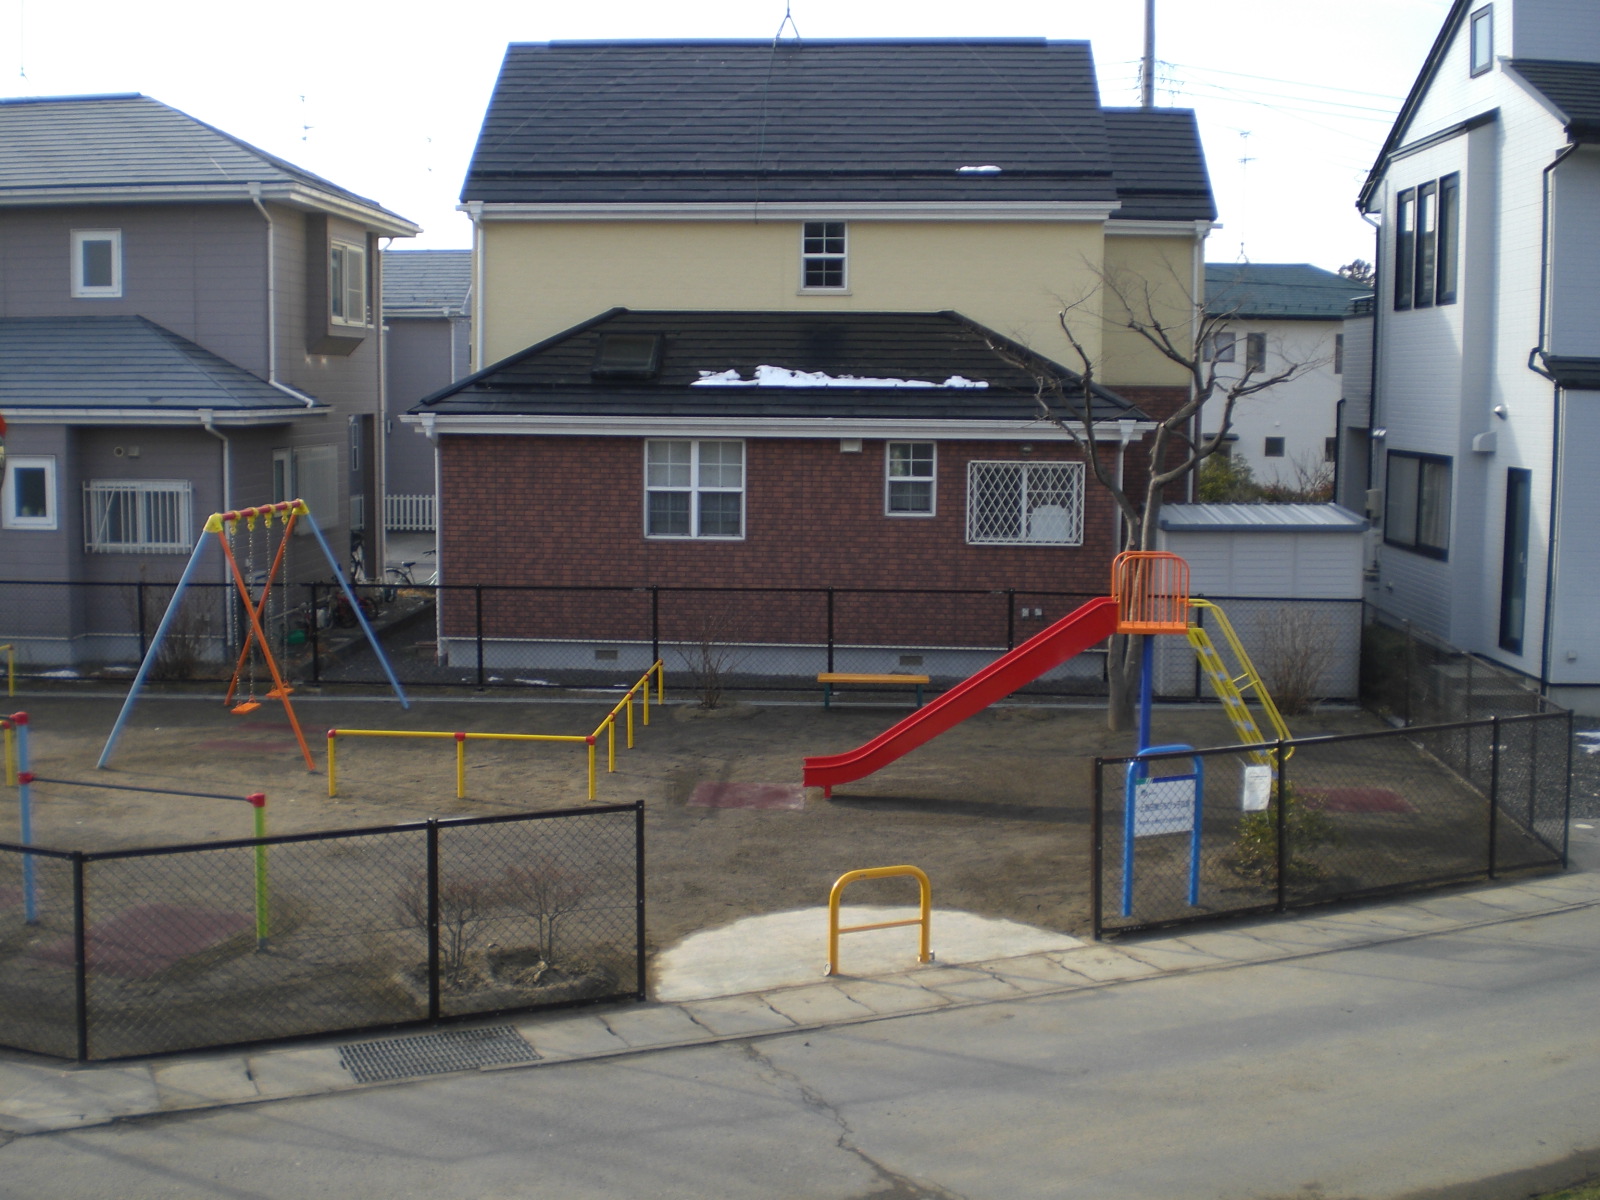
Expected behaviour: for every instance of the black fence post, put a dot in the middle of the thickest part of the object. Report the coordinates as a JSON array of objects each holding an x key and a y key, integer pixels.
[
  {"x": 1494, "y": 791},
  {"x": 1283, "y": 827},
  {"x": 1097, "y": 846},
  {"x": 143, "y": 648},
  {"x": 314, "y": 623},
  {"x": 477, "y": 610},
  {"x": 830, "y": 629},
  {"x": 638, "y": 886},
  {"x": 1410, "y": 655},
  {"x": 1011, "y": 619},
  {"x": 433, "y": 919},
  {"x": 80, "y": 957},
  {"x": 655, "y": 622}
]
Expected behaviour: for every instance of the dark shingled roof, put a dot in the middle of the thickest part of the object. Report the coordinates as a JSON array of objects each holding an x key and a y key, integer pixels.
[
  {"x": 1282, "y": 291},
  {"x": 823, "y": 121},
  {"x": 122, "y": 364},
  {"x": 1571, "y": 88},
  {"x": 94, "y": 143},
  {"x": 557, "y": 377},
  {"x": 426, "y": 283}
]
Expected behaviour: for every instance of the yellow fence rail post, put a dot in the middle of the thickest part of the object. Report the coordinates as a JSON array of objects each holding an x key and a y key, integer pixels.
[
  {"x": 333, "y": 768},
  {"x": 461, "y": 765},
  {"x": 591, "y": 741},
  {"x": 11, "y": 752},
  {"x": 924, "y": 919}
]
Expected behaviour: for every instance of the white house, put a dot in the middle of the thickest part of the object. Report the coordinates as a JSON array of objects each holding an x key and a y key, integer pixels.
[
  {"x": 1282, "y": 313},
  {"x": 1486, "y": 379}
]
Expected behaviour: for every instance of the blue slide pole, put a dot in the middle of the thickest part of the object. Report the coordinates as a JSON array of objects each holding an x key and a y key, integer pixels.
[{"x": 150, "y": 654}]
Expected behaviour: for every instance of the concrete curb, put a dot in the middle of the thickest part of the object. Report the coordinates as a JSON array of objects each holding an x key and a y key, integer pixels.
[{"x": 37, "y": 1098}]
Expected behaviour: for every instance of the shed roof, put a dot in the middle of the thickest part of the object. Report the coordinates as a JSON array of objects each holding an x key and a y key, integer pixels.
[
  {"x": 1571, "y": 88},
  {"x": 1263, "y": 518},
  {"x": 89, "y": 149},
  {"x": 124, "y": 368},
  {"x": 426, "y": 283},
  {"x": 1280, "y": 291},
  {"x": 824, "y": 121},
  {"x": 936, "y": 358}
]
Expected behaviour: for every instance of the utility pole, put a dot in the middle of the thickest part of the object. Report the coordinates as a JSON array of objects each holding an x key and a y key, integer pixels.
[{"x": 1147, "y": 71}]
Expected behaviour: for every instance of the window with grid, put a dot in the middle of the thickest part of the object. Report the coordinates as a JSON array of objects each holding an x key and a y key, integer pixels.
[
  {"x": 137, "y": 516},
  {"x": 909, "y": 479},
  {"x": 822, "y": 255},
  {"x": 694, "y": 489},
  {"x": 1025, "y": 504}
]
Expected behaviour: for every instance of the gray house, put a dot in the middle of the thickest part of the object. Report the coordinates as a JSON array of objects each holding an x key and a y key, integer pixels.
[
  {"x": 187, "y": 324},
  {"x": 428, "y": 327}
]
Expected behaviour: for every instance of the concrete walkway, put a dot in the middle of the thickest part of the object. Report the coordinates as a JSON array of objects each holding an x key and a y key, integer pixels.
[{"x": 38, "y": 1097}]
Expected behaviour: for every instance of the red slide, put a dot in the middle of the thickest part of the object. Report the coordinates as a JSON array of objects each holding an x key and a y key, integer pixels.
[{"x": 1073, "y": 634}]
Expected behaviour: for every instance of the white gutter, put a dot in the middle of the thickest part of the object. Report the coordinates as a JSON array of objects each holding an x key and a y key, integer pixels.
[
  {"x": 474, "y": 212},
  {"x": 272, "y": 285},
  {"x": 207, "y": 422},
  {"x": 898, "y": 429},
  {"x": 912, "y": 210},
  {"x": 308, "y": 401},
  {"x": 294, "y": 194},
  {"x": 144, "y": 417}
]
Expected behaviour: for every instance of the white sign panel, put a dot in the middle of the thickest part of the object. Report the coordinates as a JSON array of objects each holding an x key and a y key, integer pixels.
[
  {"x": 1163, "y": 806},
  {"x": 1257, "y": 788}
]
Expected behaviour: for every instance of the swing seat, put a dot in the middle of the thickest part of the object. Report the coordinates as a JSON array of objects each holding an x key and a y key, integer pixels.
[
  {"x": 280, "y": 693},
  {"x": 249, "y": 706}
]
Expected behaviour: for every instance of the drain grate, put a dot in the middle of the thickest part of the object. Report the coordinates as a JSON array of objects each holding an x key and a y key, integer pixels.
[{"x": 434, "y": 1053}]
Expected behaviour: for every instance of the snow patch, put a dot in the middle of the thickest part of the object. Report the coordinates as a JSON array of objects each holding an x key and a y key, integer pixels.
[
  {"x": 987, "y": 169},
  {"x": 767, "y": 376}
]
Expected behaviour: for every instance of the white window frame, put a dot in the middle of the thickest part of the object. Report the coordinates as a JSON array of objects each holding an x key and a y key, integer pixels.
[
  {"x": 347, "y": 284},
  {"x": 890, "y": 478},
  {"x": 162, "y": 516},
  {"x": 660, "y": 479},
  {"x": 818, "y": 231},
  {"x": 81, "y": 288},
  {"x": 9, "y": 517},
  {"x": 1033, "y": 527}
]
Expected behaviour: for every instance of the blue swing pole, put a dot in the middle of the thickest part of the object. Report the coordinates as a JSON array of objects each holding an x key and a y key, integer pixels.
[
  {"x": 150, "y": 654},
  {"x": 355, "y": 606}
]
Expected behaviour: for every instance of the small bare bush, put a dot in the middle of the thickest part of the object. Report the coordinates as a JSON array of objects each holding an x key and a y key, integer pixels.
[
  {"x": 547, "y": 892},
  {"x": 1297, "y": 650},
  {"x": 464, "y": 905},
  {"x": 710, "y": 657}
]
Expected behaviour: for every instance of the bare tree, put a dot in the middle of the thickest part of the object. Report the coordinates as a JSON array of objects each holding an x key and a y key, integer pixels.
[{"x": 1191, "y": 337}]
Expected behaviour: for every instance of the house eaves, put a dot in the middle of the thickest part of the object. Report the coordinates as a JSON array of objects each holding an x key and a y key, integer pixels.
[
  {"x": 292, "y": 195},
  {"x": 484, "y": 424},
  {"x": 16, "y": 415},
  {"x": 927, "y": 210}
]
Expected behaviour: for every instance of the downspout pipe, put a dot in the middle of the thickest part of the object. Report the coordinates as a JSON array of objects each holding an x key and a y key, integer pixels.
[
  {"x": 475, "y": 214},
  {"x": 1536, "y": 365},
  {"x": 208, "y": 423},
  {"x": 272, "y": 302}
]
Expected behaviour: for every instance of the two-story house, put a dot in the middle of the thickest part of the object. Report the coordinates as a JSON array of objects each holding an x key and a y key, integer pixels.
[
  {"x": 1279, "y": 314},
  {"x": 1485, "y": 409},
  {"x": 808, "y": 198},
  {"x": 187, "y": 324},
  {"x": 428, "y": 346}
]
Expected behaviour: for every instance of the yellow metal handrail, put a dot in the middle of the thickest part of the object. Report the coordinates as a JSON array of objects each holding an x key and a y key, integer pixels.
[
  {"x": 1251, "y": 678},
  {"x": 607, "y": 726},
  {"x": 924, "y": 954}
]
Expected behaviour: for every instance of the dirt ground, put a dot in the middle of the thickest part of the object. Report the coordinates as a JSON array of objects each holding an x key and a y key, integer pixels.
[{"x": 996, "y": 811}]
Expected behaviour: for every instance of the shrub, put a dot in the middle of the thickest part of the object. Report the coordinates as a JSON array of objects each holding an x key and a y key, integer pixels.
[
  {"x": 1255, "y": 846},
  {"x": 1297, "y": 650}
]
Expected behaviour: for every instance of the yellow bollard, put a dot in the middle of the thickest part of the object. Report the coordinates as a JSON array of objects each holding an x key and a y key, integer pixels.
[
  {"x": 333, "y": 770},
  {"x": 924, "y": 951},
  {"x": 591, "y": 767},
  {"x": 461, "y": 765}
]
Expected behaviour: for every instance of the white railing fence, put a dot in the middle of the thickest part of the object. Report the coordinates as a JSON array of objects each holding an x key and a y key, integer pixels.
[{"x": 410, "y": 514}]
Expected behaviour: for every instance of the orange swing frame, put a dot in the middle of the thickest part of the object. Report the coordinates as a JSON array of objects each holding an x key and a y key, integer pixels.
[{"x": 290, "y": 511}]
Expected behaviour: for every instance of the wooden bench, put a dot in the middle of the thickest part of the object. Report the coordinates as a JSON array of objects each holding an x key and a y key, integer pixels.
[{"x": 828, "y": 678}]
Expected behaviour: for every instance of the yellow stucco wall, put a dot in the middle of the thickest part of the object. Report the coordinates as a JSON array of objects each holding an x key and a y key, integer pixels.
[{"x": 541, "y": 277}]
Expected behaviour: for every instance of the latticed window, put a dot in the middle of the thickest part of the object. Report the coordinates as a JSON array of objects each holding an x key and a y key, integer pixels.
[
  {"x": 137, "y": 516},
  {"x": 1025, "y": 504},
  {"x": 822, "y": 255},
  {"x": 694, "y": 489}
]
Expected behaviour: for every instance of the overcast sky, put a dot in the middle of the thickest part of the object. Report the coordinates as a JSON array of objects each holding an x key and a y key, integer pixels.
[{"x": 1294, "y": 96}]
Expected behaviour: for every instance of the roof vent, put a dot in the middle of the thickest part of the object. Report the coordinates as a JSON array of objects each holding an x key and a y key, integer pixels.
[{"x": 627, "y": 356}]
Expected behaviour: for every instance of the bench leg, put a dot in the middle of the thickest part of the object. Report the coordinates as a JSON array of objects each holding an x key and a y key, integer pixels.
[
  {"x": 827, "y": 695},
  {"x": 919, "y": 695}
]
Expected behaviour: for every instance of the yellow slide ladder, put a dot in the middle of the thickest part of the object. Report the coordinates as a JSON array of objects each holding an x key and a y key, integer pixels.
[{"x": 1231, "y": 688}]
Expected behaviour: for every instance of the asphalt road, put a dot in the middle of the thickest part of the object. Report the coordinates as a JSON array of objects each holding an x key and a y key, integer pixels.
[{"x": 1455, "y": 1066}]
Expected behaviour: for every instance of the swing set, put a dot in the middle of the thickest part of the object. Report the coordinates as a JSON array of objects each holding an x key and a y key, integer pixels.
[{"x": 225, "y": 530}]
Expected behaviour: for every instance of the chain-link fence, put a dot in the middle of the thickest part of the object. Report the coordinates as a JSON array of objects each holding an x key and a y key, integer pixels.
[
  {"x": 1415, "y": 678},
  {"x": 1192, "y": 836},
  {"x": 130, "y": 952}
]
